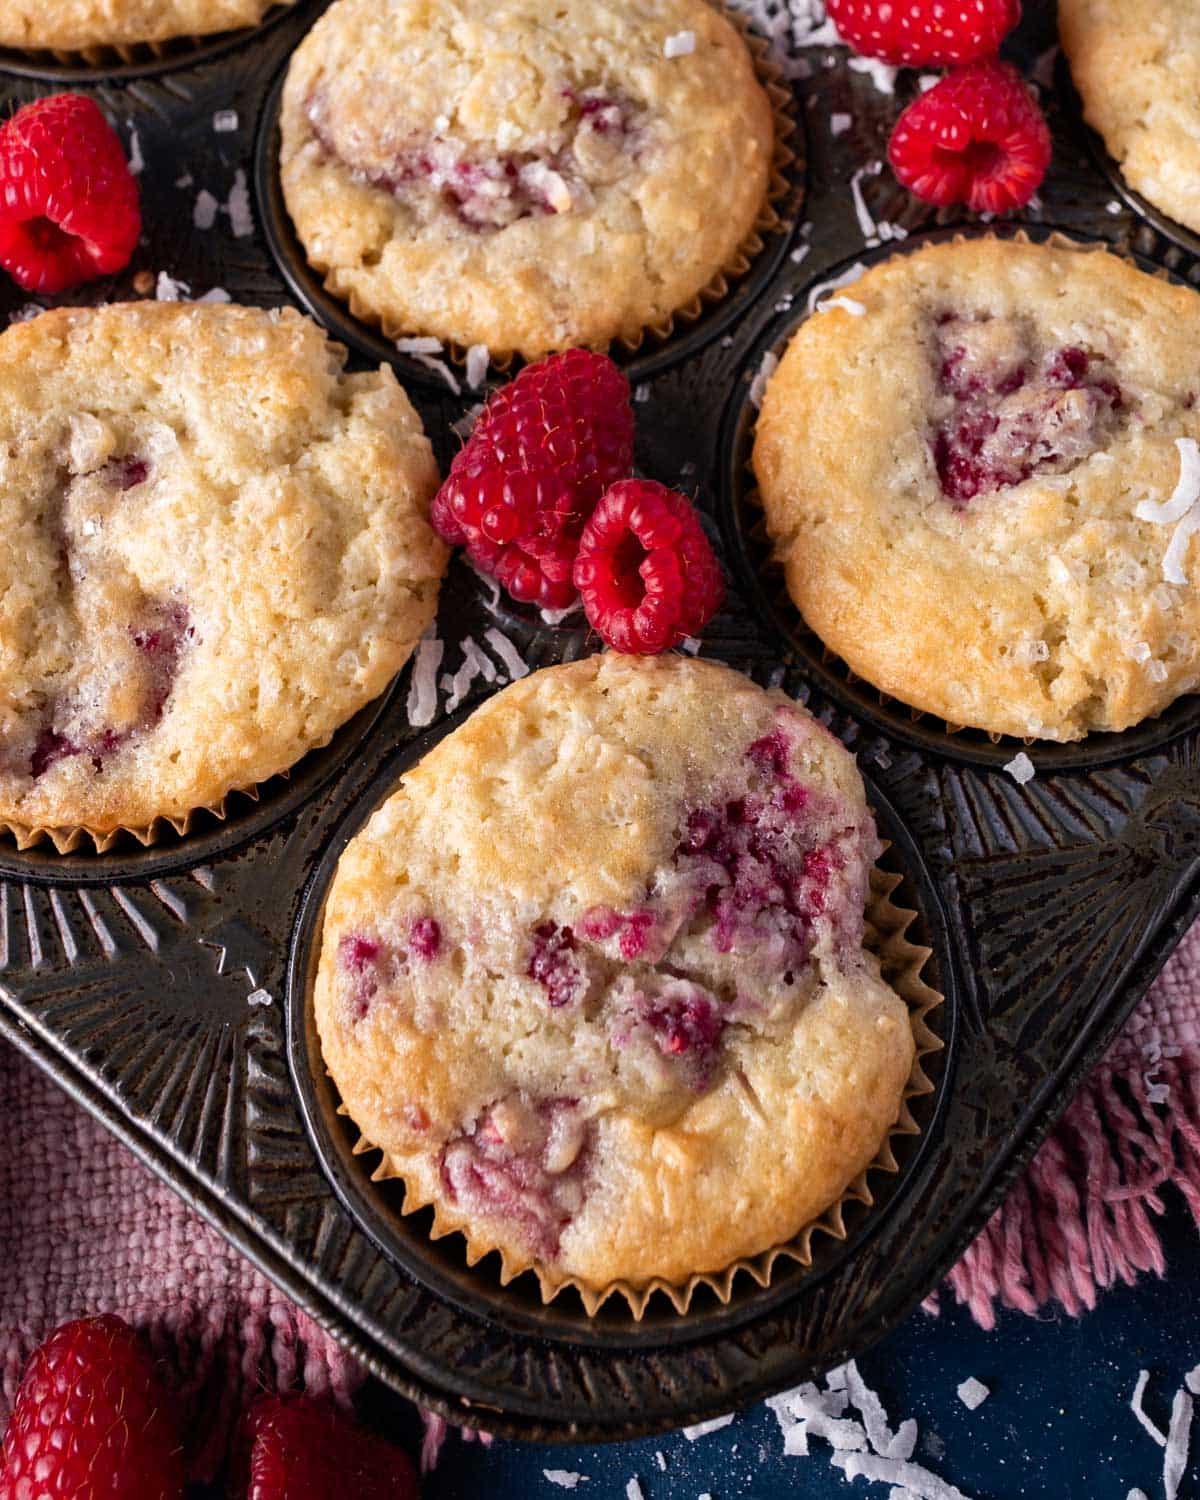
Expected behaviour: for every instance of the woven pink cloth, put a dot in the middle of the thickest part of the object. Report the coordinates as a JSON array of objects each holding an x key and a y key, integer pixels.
[{"x": 85, "y": 1228}]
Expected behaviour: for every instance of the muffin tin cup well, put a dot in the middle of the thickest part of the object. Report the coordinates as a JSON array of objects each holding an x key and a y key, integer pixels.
[
  {"x": 726, "y": 298},
  {"x": 412, "y": 1236},
  {"x": 762, "y": 579},
  {"x": 909, "y": 938},
  {"x": 129, "y": 61},
  {"x": 154, "y": 983},
  {"x": 1186, "y": 238}
]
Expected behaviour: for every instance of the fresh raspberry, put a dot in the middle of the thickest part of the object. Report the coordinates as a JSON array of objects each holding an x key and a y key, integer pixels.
[
  {"x": 295, "y": 1448},
  {"x": 91, "y": 1421},
  {"x": 978, "y": 138},
  {"x": 645, "y": 569},
  {"x": 544, "y": 450},
  {"x": 68, "y": 202},
  {"x": 924, "y": 33}
]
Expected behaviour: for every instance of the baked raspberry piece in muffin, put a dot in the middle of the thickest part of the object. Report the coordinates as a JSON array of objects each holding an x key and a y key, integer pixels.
[
  {"x": 982, "y": 485},
  {"x": 216, "y": 551},
  {"x": 647, "y": 1040},
  {"x": 526, "y": 176}
]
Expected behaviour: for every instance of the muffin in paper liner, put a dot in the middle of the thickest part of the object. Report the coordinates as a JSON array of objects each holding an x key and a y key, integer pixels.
[
  {"x": 138, "y": 686},
  {"x": 538, "y": 1064},
  {"x": 1102, "y": 680},
  {"x": 143, "y": 52},
  {"x": 902, "y": 963},
  {"x": 735, "y": 266}
]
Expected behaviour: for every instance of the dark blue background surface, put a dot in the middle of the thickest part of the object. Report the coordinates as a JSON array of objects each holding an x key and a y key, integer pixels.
[{"x": 1057, "y": 1423}]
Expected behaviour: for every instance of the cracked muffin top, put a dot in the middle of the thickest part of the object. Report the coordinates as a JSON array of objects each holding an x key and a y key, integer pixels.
[
  {"x": 1136, "y": 64},
  {"x": 75, "y": 25},
  {"x": 525, "y": 175},
  {"x": 593, "y": 977},
  {"x": 980, "y": 472},
  {"x": 216, "y": 550}
]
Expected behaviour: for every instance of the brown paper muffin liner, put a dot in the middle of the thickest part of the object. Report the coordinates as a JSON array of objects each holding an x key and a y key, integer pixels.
[
  {"x": 137, "y": 54},
  {"x": 752, "y": 498},
  {"x": 902, "y": 963},
  {"x": 69, "y": 838},
  {"x": 770, "y": 76}
]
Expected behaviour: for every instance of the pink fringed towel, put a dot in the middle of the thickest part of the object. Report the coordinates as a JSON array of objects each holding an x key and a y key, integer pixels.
[{"x": 85, "y": 1228}]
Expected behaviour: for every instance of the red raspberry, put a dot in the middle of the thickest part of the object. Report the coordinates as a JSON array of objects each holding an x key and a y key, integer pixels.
[
  {"x": 68, "y": 202},
  {"x": 978, "y": 138},
  {"x": 91, "y": 1421},
  {"x": 645, "y": 569},
  {"x": 924, "y": 33},
  {"x": 295, "y": 1448},
  {"x": 544, "y": 450}
]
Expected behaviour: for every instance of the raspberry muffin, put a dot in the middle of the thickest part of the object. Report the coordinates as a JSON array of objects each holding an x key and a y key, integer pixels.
[
  {"x": 593, "y": 978},
  {"x": 1136, "y": 64},
  {"x": 75, "y": 25},
  {"x": 526, "y": 176},
  {"x": 216, "y": 551},
  {"x": 979, "y": 471}
]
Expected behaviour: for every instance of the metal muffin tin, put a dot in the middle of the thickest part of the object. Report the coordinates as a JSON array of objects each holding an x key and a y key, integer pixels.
[{"x": 168, "y": 989}]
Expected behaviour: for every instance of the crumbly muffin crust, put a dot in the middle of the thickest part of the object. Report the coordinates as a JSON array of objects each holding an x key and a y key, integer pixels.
[
  {"x": 71, "y": 25},
  {"x": 216, "y": 549},
  {"x": 1136, "y": 64},
  {"x": 951, "y": 463},
  {"x": 593, "y": 977},
  {"x": 523, "y": 175}
]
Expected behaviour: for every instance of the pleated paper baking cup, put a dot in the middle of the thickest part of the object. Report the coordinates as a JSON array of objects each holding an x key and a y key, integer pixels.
[
  {"x": 147, "y": 53},
  {"x": 767, "y": 221},
  {"x": 70, "y": 838},
  {"x": 902, "y": 964}
]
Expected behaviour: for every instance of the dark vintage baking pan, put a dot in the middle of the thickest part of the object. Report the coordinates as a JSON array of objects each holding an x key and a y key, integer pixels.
[{"x": 167, "y": 988}]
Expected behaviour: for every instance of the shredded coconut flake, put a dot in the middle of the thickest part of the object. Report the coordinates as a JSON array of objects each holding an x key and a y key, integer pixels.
[
  {"x": 866, "y": 223},
  {"x": 204, "y": 214},
  {"x": 23, "y": 314},
  {"x": 167, "y": 289},
  {"x": 758, "y": 386},
  {"x": 1020, "y": 768},
  {"x": 566, "y": 1479},
  {"x": 1135, "y": 1405},
  {"x": 973, "y": 1393},
  {"x": 185, "y": 181},
  {"x": 898, "y": 1473},
  {"x": 478, "y": 360},
  {"x": 1175, "y": 1455},
  {"x": 215, "y": 294},
  {"x": 422, "y": 691},
  {"x": 259, "y": 997},
  {"x": 702, "y": 1429},
  {"x": 510, "y": 657},
  {"x": 839, "y": 123},
  {"x": 835, "y": 284},
  {"x": 440, "y": 367},
  {"x": 660, "y": 1459},
  {"x": 847, "y": 304},
  {"x": 422, "y": 345},
  {"x": 680, "y": 45},
  {"x": 1187, "y": 488},
  {"x": 241, "y": 220},
  {"x": 465, "y": 425},
  {"x": 225, "y": 121},
  {"x": 1173, "y": 571},
  {"x": 474, "y": 664},
  {"x": 633, "y": 1491},
  {"x": 136, "y": 161},
  {"x": 881, "y": 74}
]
